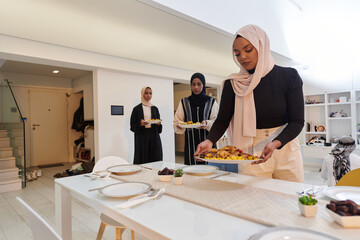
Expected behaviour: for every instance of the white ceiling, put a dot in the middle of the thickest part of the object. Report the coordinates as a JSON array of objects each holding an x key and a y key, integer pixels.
[
  {"x": 127, "y": 28},
  {"x": 196, "y": 36},
  {"x": 42, "y": 70}
]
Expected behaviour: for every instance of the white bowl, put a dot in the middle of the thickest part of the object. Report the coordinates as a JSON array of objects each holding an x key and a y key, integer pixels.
[
  {"x": 165, "y": 178},
  {"x": 345, "y": 221}
]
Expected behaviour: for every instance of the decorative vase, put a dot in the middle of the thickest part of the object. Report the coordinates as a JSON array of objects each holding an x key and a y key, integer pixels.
[
  {"x": 308, "y": 210},
  {"x": 178, "y": 180}
]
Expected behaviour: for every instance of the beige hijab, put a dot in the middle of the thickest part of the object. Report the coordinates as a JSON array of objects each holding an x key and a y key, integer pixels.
[
  {"x": 143, "y": 101},
  {"x": 242, "y": 128}
]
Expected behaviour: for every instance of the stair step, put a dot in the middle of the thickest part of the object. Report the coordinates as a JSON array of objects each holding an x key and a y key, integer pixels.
[
  {"x": 4, "y": 142},
  {"x": 9, "y": 126},
  {"x": 9, "y": 173},
  {"x": 17, "y": 141},
  {"x": 18, "y": 151},
  {"x": 8, "y": 162},
  {"x": 16, "y": 133},
  {"x": 10, "y": 184},
  {"x": 6, "y": 152},
  {"x": 3, "y": 133}
]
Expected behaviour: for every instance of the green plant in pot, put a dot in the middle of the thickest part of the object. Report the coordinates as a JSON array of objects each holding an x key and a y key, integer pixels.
[
  {"x": 307, "y": 205},
  {"x": 178, "y": 176}
]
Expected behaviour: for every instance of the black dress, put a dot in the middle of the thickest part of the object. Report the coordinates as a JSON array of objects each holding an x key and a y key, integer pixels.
[
  {"x": 195, "y": 136},
  {"x": 147, "y": 140}
]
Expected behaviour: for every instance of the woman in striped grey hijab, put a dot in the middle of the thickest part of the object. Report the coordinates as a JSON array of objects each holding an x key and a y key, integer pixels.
[{"x": 341, "y": 153}]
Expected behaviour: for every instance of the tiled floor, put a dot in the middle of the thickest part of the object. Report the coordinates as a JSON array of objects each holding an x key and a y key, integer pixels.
[{"x": 39, "y": 194}]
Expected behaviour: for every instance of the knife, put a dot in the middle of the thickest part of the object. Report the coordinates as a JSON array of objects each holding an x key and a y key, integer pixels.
[{"x": 220, "y": 175}]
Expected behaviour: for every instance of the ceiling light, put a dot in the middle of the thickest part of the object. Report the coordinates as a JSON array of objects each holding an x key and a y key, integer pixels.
[{"x": 56, "y": 71}]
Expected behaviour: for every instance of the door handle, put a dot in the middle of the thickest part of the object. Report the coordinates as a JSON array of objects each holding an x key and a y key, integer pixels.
[{"x": 36, "y": 125}]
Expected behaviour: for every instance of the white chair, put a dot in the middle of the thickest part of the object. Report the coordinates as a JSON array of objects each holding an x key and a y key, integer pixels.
[
  {"x": 101, "y": 165},
  {"x": 40, "y": 229},
  {"x": 327, "y": 168}
]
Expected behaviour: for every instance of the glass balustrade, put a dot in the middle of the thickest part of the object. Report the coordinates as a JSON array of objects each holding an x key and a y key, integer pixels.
[{"x": 12, "y": 124}]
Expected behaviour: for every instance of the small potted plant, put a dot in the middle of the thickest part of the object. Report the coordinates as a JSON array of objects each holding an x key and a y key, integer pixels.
[
  {"x": 178, "y": 176},
  {"x": 307, "y": 205}
]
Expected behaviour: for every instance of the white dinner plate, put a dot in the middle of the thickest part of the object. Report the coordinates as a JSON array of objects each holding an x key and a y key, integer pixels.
[
  {"x": 190, "y": 125},
  {"x": 124, "y": 169},
  {"x": 281, "y": 233},
  {"x": 227, "y": 161},
  {"x": 200, "y": 170},
  {"x": 125, "y": 189},
  {"x": 343, "y": 193},
  {"x": 153, "y": 121}
]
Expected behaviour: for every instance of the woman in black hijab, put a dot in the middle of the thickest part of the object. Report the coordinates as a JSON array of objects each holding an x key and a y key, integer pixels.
[{"x": 196, "y": 108}]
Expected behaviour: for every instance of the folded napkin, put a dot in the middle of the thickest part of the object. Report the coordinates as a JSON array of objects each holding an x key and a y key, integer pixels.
[{"x": 135, "y": 202}]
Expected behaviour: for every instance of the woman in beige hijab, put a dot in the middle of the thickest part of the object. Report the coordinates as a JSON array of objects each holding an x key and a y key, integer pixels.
[
  {"x": 262, "y": 109},
  {"x": 147, "y": 136}
]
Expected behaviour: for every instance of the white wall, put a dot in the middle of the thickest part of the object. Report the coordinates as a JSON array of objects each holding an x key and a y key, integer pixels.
[
  {"x": 85, "y": 84},
  {"x": 112, "y": 133}
]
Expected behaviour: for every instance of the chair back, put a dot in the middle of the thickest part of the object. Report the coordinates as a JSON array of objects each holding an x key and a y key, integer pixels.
[
  {"x": 105, "y": 162},
  {"x": 351, "y": 178},
  {"x": 40, "y": 229}
]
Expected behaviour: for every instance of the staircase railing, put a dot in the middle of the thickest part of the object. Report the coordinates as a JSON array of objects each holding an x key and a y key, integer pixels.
[{"x": 13, "y": 121}]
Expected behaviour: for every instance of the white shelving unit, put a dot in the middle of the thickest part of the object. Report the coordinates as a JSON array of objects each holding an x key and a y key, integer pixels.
[
  {"x": 318, "y": 109},
  {"x": 315, "y": 112},
  {"x": 338, "y": 112},
  {"x": 325, "y": 109}
]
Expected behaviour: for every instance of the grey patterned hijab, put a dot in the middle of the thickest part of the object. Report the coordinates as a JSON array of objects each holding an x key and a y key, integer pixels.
[{"x": 341, "y": 152}]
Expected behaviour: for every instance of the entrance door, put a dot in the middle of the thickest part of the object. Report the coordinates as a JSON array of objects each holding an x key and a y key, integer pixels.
[{"x": 49, "y": 133}]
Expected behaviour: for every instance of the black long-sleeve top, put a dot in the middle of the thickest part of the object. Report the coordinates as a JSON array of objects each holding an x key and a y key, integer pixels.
[{"x": 278, "y": 100}]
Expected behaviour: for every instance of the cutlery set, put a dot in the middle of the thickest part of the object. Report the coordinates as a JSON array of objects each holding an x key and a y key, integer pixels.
[
  {"x": 136, "y": 202},
  {"x": 310, "y": 191},
  {"x": 97, "y": 175}
]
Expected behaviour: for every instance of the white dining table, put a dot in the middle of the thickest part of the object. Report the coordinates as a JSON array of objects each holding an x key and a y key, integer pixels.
[{"x": 168, "y": 217}]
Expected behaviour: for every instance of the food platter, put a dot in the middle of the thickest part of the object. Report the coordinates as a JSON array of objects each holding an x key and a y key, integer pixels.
[
  {"x": 226, "y": 161},
  {"x": 153, "y": 121},
  {"x": 125, "y": 189},
  {"x": 124, "y": 169},
  {"x": 228, "y": 155},
  {"x": 276, "y": 233},
  {"x": 200, "y": 170},
  {"x": 343, "y": 193},
  {"x": 190, "y": 125}
]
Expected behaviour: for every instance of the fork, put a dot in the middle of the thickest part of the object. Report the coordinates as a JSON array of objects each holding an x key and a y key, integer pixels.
[
  {"x": 152, "y": 192},
  {"x": 141, "y": 200},
  {"x": 310, "y": 191}
]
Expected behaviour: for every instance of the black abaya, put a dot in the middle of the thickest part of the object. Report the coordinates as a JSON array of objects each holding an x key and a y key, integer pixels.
[{"x": 147, "y": 140}]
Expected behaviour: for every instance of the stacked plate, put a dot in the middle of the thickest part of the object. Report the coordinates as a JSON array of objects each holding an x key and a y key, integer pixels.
[
  {"x": 125, "y": 189},
  {"x": 200, "y": 170},
  {"x": 124, "y": 169}
]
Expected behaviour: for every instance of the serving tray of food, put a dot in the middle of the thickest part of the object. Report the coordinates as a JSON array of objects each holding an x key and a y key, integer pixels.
[
  {"x": 228, "y": 154},
  {"x": 190, "y": 124},
  {"x": 153, "y": 121}
]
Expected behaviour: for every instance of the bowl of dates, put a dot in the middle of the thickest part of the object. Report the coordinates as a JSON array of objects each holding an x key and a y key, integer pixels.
[
  {"x": 166, "y": 174},
  {"x": 346, "y": 213}
]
